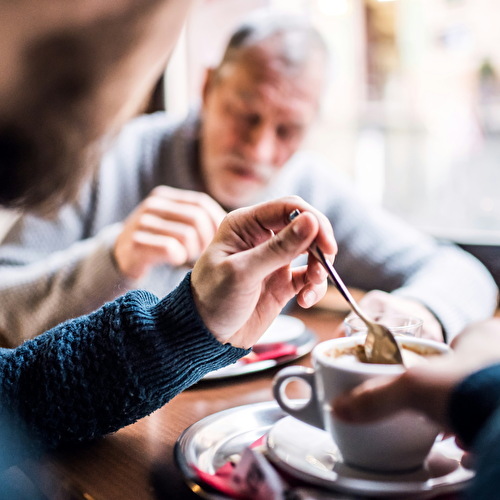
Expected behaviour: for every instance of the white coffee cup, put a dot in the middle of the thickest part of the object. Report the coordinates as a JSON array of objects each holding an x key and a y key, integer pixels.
[{"x": 396, "y": 444}]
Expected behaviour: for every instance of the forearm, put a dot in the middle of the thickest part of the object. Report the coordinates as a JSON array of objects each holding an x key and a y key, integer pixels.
[
  {"x": 455, "y": 287},
  {"x": 68, "y": 283},
  {"x": 95, "y": 374}
]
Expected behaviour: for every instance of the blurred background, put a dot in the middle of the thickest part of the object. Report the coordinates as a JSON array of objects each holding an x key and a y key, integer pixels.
[{"x": 412, "y": 112}]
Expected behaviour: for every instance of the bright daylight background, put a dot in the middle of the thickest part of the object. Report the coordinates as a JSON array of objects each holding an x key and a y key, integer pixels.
[
  {"x": 412, "y": 113},
  {"x": 413, "y": 109}
]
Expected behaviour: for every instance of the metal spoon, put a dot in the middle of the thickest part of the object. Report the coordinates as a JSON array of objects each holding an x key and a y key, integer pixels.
[{"x": 380, "y": 345}]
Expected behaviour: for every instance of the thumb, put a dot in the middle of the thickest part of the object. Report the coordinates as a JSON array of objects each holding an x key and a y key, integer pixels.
[
  {"x": 282, "y": 248},
  {"x": 374, "y": 399}
]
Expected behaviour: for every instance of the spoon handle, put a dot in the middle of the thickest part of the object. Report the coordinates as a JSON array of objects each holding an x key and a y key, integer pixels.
[
  {"x": 337, "y": 281},
  {"x": 333, "y": 275}
]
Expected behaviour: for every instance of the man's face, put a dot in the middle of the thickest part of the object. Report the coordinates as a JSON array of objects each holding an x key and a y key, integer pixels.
[{"x": 254, "y": 119}]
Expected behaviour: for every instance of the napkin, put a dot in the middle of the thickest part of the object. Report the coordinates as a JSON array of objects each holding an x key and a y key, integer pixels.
[
  {"x": 263, "y": 352},
  {"x": 251, "y": 478}
]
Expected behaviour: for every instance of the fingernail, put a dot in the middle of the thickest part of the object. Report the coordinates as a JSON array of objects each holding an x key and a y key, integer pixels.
[
  {"x": 310, "y": 297},
  {"x": 300, "y": 228}
]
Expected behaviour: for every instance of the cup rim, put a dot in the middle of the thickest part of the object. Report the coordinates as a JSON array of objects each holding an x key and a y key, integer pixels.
[{"x": 318, "y": 354}]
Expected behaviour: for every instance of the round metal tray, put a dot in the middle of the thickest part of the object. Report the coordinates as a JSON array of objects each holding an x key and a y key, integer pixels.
[{"x": 211, "y": 442}]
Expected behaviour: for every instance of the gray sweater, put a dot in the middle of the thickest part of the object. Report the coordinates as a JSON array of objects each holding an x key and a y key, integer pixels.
[{"x": 52, "y": 270}]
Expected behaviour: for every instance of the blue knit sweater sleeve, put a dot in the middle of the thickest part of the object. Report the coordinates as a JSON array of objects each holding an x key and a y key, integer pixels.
[
  {"x": 97, "y": 373},
  {"x": 475, "y": 414},
  {"x": 473, "y": 402}
]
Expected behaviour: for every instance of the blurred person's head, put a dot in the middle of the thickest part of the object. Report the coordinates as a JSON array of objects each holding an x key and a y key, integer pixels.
[
  {"x": 71, "y": 73},
  {"x": 258, "y": 105}
]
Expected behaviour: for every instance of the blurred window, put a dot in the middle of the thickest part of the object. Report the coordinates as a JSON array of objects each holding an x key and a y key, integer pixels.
[{"x": 412, "y": 112}]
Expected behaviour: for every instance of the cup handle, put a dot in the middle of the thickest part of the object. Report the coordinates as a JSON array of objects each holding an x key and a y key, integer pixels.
[{"x": 308, "y": 412}]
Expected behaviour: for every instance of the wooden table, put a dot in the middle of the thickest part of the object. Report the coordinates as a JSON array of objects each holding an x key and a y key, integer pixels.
[{"x": 137, "y": 463}]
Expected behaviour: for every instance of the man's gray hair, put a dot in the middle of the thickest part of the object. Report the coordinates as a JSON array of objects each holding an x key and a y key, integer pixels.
[{"x": 297, "y": 40}]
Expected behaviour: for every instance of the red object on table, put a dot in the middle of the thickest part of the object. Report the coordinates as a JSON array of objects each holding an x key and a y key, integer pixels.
[{"x": 263, "y": 352}]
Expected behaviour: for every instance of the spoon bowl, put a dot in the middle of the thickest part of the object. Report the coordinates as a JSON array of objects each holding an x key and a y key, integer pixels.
[{"x": 380, "y": 345}]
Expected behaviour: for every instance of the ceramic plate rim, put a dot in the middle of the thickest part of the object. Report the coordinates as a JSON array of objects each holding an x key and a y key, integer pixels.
[
  {"x": 281, "y": 322},
  {"x": 304, "y": 343}
]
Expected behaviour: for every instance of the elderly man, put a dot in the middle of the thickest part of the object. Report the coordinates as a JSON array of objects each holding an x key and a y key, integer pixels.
[{"x": 163, "y": 189}]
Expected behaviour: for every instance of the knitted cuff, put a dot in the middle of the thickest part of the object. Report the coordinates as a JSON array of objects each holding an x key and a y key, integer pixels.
[{"x": 473, "y": 402}]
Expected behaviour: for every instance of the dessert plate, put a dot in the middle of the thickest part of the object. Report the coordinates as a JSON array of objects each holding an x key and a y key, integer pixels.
[
  {"x": 287, "y": 337},
  {"x": 283, "y": 329},
  {"x": 311, "y": 455}
]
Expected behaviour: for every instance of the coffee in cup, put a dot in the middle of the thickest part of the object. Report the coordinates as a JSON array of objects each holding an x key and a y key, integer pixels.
[{"x": 356, "y": 353}]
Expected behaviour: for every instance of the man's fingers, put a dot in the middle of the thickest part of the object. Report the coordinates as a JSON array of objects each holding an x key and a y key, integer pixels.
[
  {"x": 188, "y": 236},
  {"x": 176, "y": 214},
  {"x": 192, "y": 198},
  {"x": 382, "y": 304},
  {"x": 156, "y": 249},
  {"x": 372, "y": 400},
  {"x": 311, "y": 294},
  {"x": 282, "y": 248},
  {"x": 265, "y": 216}
]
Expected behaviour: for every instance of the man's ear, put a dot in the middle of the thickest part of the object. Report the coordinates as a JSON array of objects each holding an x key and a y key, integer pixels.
[{"x": 207, "y": 83}]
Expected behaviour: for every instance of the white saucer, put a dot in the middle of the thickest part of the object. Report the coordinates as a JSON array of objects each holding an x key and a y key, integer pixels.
[
  {"x": 283, "y": 329},
  {"x": 310, "y": 454}
]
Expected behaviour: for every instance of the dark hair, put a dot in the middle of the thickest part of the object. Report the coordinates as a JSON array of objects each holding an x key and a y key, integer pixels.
[
  {"x": 45, "y": 139},
  {"x": 50, "y": 134}
]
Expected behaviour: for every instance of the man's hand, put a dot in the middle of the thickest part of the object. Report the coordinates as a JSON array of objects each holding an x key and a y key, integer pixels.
[
  {"x": 426, "y": 388},
  {"x": 171, "y": 226},
  {"x": 244, "y": 278},
  {"x": 377, "y": 303}
]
